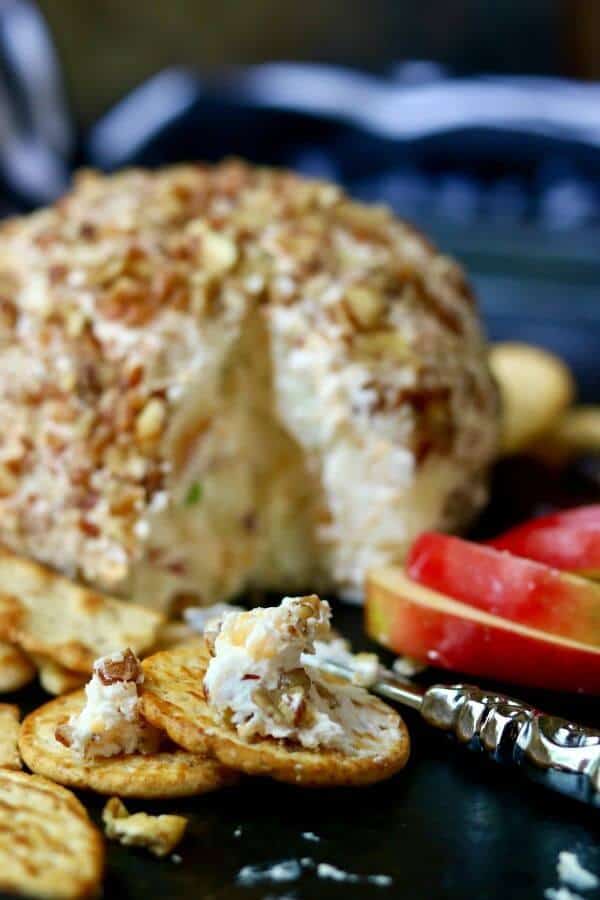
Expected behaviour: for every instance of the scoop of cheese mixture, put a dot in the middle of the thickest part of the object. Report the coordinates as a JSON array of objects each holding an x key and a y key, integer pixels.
[
  {"x": 110, "y": 723},
  {"x": 260, "y": 680},
  {"x": 240, "y": 360}
]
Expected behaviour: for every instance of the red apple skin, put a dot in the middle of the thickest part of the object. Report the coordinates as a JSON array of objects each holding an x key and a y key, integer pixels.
[
  {"x": 568, "y": 540},
  {"x": 508, "y": 586},
  {"x": 454, "y": 636}
]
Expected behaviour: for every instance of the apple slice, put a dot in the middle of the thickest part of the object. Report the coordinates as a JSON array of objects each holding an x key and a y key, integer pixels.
[
  {"x": 414, "y": 620},
  {"x": 509, "y": 586},
  {"x": 568, "y": 540}
]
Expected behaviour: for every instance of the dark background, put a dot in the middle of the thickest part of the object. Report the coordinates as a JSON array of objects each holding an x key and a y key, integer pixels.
[{"x": 108, "y": 46}]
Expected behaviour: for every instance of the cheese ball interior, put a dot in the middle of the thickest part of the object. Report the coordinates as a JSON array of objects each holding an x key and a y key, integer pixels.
[{"x": 223, "y": 377}]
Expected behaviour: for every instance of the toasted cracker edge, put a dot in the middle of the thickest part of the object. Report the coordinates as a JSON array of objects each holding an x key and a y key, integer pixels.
[
  {"x": 9, "y": 736},
  {"x": 28, "y": 586},
  {"x": 167, "y": 774},
  {"x": 82, "y": 885}
]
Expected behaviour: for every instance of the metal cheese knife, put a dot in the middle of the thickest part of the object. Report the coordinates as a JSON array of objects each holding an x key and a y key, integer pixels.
[{"x": 560, "y": 754}]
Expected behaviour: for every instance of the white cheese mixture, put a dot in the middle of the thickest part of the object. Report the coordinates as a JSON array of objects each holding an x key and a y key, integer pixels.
[
  {"x": 292, "y": 870},
  {"x": 110, "y": 723},
  {"x": 570, "y": 870},
  {"x": 364, "y": 666},
  {"x": 198, "y": 617},
  {"x": 260, "y": 681}
]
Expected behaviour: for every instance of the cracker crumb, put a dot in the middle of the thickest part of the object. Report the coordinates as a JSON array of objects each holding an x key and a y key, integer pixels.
[{"x": 159, "y": 834}]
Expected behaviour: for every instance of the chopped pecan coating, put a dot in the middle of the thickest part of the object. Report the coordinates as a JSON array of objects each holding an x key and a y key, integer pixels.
[
  {"x": 117, "y": 298},
  {"x": 122, "y": 667},
  {"x": 63, "y": 734}
]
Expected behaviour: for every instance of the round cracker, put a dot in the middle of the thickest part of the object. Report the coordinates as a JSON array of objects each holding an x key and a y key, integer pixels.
[
  {"x": 576, "y": 433},
  {"x": 46, "y": 614},
  {"x": 48, "y": 846},
  {"x": 536, "y": 387},
  {"x": 9, "y": 735},
  {"x": 175, "y": 773},
  {"x": 16, "y": 669},
  {"x": 55, "y": 679},
  {"x": 173, "y": 699}
]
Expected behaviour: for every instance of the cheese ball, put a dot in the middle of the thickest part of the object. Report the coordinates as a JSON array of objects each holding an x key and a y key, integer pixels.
[{"x": 220, "y": 378}]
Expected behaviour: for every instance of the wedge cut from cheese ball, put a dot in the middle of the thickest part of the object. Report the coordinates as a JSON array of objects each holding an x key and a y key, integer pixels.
[
  {"x": 251, "y": 698},
  {"x": 238, "y": 359},
  {"x": 568, "y": 540},
  {"x": 166, "y": 773},
  {"x": 50, "y": 616},
  {"x": 412, "y": 619},
  {"x": 508, "y": 586}
]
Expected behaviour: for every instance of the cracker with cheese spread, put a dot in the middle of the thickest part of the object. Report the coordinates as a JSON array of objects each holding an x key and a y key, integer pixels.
[
  {"x": 49, "y": 848},
  {"x": 252, "y": 696},
  {"x": 97, "y": 739},
  {"x": 45, "y": 613}
]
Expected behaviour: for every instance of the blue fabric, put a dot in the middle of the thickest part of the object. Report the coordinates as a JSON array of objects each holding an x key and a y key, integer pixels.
[{"x": 504, "y": 150}]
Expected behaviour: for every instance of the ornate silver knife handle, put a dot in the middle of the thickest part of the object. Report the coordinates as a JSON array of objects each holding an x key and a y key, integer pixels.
[
  {"x": 561, "y": 755},
  {"x": 558, "y": 753}
]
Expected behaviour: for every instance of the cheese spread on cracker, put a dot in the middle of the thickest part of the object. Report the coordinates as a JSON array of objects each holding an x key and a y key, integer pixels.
[
  {"x": 110, "y": 722},
  {"x": 261, "y": 681}
]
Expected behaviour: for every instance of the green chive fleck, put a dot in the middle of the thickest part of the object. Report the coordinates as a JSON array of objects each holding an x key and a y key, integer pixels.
[{"x": 194, "y": 494}]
